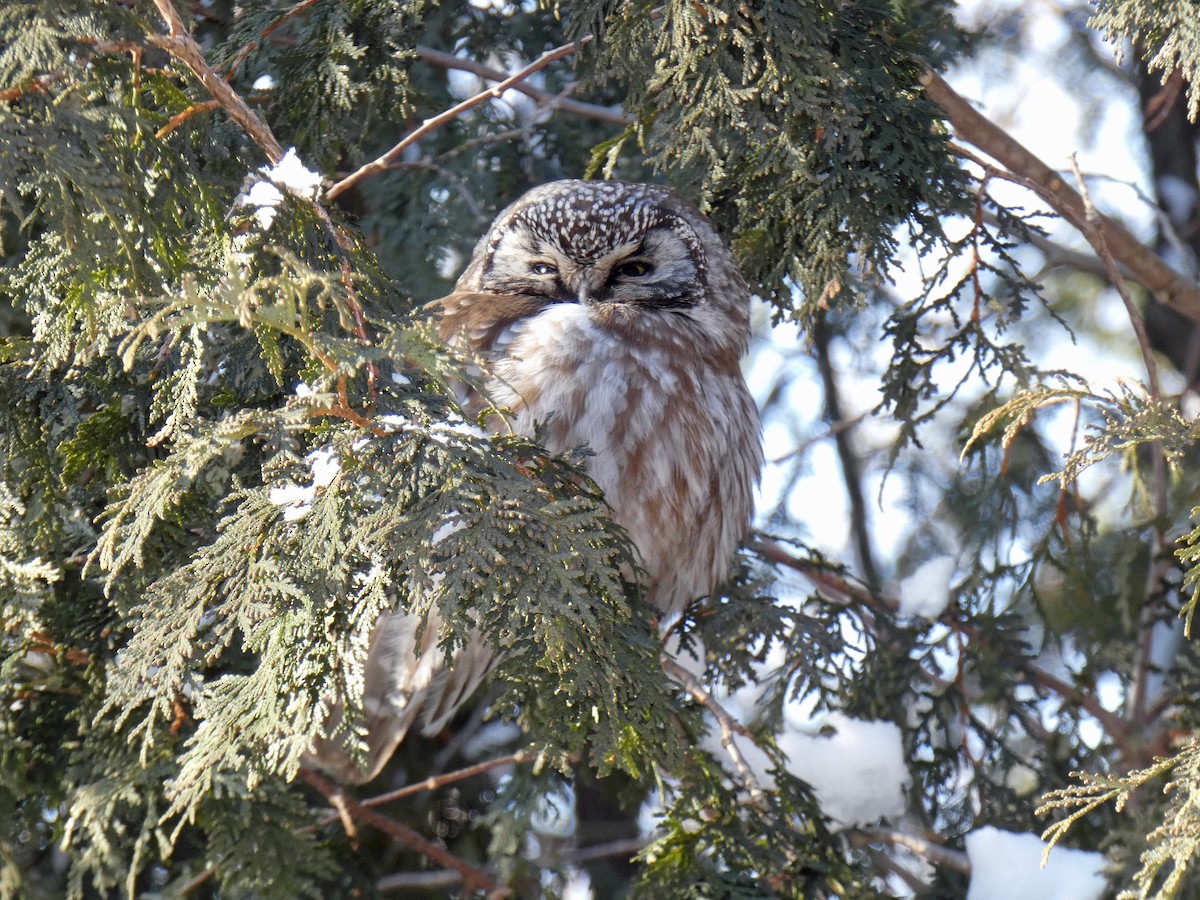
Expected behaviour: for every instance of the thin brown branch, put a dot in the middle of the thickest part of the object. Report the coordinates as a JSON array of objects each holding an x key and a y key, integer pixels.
[
  {"x": 1148, "y": 267},
  {"x": 542, "y": 98},
  {"x": 180, "y": 44},
  {"x": 471, "y": 876},
  {"x": 1158, "y": 108},
  {"x": 1095, "y": 235},
  {"x": 728, "y": 724},
  {"x": 264, "y": 34},
  {"x": 935, "y": 853},
  {"x": 434, "y": 782},
  {"x": 828, "y": 581},
  {"x": 1157, "y": 571},
  {"x": 451, "y": 179},
  {"x": 431, "y": 125},
  {"x": 179, "y": 118},
  {"x": 847, "y": 457},
  {"x": 200, "y": 879},
  {"x": 832, "y": 431},
  {"x": 408, "y": 881},
  {"x": 36, "y": 85},
  {"x": 1112, "y": 723}
]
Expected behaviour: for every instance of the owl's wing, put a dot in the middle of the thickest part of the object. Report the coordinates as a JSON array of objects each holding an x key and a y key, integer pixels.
[
  {"x": 482, "y": 323},
  {"x": 402, "y": 689}
]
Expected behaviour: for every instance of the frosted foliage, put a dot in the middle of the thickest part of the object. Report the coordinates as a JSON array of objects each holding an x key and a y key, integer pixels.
[
  {"x": 1008, "y": 866},
  {"x": 858, "y": 772}
]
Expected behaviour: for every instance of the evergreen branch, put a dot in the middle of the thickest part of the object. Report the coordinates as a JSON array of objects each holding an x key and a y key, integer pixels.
[
  {"x": 471, "y": 876},
  {"x": 1147, "y": 266},
  {"x": 180, "y": 44},
  {"x": 542, "y": 98},
  {"x": 841, "y": 589},
  {"x": 728, "y": 724},
  {"x": 384, "y": 162},
  {"x": 1057, "y": 255}
]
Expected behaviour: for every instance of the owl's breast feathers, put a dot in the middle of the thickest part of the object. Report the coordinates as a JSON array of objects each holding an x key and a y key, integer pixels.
[{"x": 672, "y": 428}]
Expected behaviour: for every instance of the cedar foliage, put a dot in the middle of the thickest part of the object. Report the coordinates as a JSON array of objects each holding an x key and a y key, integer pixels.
[{"x": 187, "y": 590}]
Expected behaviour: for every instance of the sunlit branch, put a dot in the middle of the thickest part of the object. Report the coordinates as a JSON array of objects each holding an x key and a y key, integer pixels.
[
  {"x": 1147, "y": 266},
  {"x": 180, "y": 44},
  {"x": 429, "y": 126}
]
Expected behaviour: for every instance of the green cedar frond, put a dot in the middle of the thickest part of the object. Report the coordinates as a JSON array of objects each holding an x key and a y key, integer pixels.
[{"x": 1167, "y": 31}]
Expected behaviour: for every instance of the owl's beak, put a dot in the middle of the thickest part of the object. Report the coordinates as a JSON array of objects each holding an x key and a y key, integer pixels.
[{"x": 586, "y": 293}]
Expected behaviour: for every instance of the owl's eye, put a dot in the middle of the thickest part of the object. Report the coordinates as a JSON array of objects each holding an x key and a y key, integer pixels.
[
  {"x": 633, "y": 268},
  {"x": 542, "y": 268}
]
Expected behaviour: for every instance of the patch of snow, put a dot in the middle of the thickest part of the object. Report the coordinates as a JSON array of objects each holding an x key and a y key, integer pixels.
[
  {"x": 291, "y": 495},
  {"x": 289, "y": 174},
  {"x": 858, "y": 773},
  {"x": 1179, "y": 197},
  {"x": 325, "y": 466},
  {"x": 926, "y": 592},
  {"x": 1006, "y": 865},
  {"x": 294, "y": 177},
  {"x": 446, "y": 529}
]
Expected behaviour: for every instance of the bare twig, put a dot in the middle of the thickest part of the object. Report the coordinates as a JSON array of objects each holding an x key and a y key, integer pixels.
[
  {"x": 833, "y": 430},
  {"x": 1159, "y": 106},
  {"x": 473, "y": 877},
  {"x": 437, "y": 781},
  {"x": 1157, "y": 572},
  {"x": 1147, "y": 266},
  {"x": 179, "y": 118},
  {"x": 728, "y": 724},
  {"x": 450, "y": 178},
  {"x": 201, "y": 878},
  {"x": 935, "y": 853},
  {"x": 431, "y": 125},
  {"x": 542, "y": 98},
  {"x": 180, "y": 44},
  {"x": 1095, "y": 235}
]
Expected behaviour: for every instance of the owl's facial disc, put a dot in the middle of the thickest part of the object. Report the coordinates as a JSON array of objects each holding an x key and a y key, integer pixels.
[{"x": 650, "y": 259}]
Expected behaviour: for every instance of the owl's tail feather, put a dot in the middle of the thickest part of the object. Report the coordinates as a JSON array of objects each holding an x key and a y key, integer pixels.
[{"x": 402, "y": 689}]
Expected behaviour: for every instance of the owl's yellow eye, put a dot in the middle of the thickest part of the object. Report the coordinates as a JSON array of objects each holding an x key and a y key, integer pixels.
[
  {"x": 633, "y": 268},
  {"x": 542, "y": 268}
]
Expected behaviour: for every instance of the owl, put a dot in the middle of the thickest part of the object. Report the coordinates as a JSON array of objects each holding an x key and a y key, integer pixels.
[{"x": 607, "y": 315}]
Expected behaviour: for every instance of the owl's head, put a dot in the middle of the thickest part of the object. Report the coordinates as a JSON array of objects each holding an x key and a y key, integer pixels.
[{"x": 637, "y": 256}]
